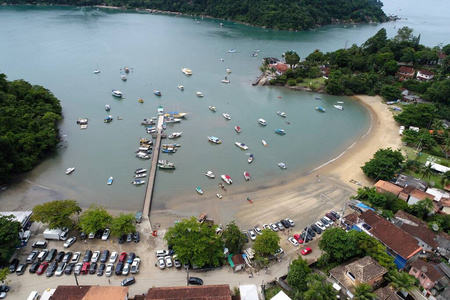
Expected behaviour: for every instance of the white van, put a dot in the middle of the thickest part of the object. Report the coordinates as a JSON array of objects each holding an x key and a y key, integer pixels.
[{"x": 33, "y": 296}]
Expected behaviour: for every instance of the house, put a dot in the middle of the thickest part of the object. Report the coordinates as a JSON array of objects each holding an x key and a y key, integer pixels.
[
  {"x": 418, "y": 229},
  {"x": 443, "y": 240},
  {"x": 404, "y": 194},
  {"x": 386, "y": 293},
  {"x": 430, "y": 276},
  {"x": 405, "y": 73},
  {"x": 364, "y": 270},
  {"x": 444, "y": 205},
  {"x": 249, "y": 292},
  {"x": 90, "y": 292},
  {"x": 437, "y": 167},
  {"x": 424, "y": 75},
  {"x": 387, "y": 187},
  {"x": 201, "y": 292},
  {"x": 237, "y": 262},
  {"x": 441, "y": 57},
  {"x": 280, "y": 68},
  {"x": 400, "y": 244},
  {"x": 417, "y": 195},
  {"x": 405, "y": 180}
]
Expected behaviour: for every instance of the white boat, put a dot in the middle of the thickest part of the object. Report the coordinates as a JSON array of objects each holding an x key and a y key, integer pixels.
[
  {"x": 247, "y": 175},
  {"x": 340, "y": 102},
  {"x": 186, "y": 71},
  {"x": 117, "y": 93},
  {"x": 181, "y": 88},
  {"x": 97, "y": 71},
  {"x": 226, "y": 116},
  {"x": 262, "y": 122},
  {"x": 175, "y": 135},
  {"x": 282, "y": 165},
  {"x": 225, "y": 81},
  {"x": 142, "y": 175},
  {"x": 264, "y": 143},
  {"x": 338, "y": 107},
  {"x": 219, "y": 196},
  {"x": 281, "y": 114},
  {"x": 110, "y": 180},
  {"x": 171, "y": 120},
  {"x": 199, "y": 190},
  {"x": 241, "y": 145},
  {"x": 209, "y": 174},
  {"x": 148, "y": 121},
  {"x": 142, "y": 155},
  {"x": 123, "y": 77},
  {"x": 199, "y": 94},
  {"x": 212, "y": 108},
  {"x": 140, "y": 171},
  {"x": 238, "y": 129},
  {"x": 160, "y": 110},
  {"x": 250, "y": 158},
  {"x": 228, "y": 71},
  {"x": 226, "y": 178},
  {"x": 107, "y": 107},
  {"x": 232, "y": 51},
  {"x": 176, "y": 114},
  {"x": 138, "y": 182},
  {"x": 214, "y": 140},
  {"x": 70, "y": 170}
]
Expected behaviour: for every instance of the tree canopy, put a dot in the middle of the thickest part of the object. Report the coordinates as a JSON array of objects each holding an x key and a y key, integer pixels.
[
  {"x": 384, "y": 164},
  {"x": 123, "y": 224},
  {"x": 56, "y": 214},
  {"x": 266, "y": 244},
  {"x": 233, "y": 237},
  {"x": 9, "y": 236},
  {"x": 419, "y": 115},
  {"x": 298, "y": 274},
  {"x": 94, "y": 218}
]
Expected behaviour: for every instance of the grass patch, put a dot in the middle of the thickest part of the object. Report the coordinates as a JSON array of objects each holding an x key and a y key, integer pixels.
[
  {"x": 271, "y": 292},
  {"x": 423, "y": 157},
  {"x": 312, "y": 82}
]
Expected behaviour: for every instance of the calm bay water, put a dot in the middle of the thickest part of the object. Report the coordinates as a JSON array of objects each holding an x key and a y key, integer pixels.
[{"x": 59, "y": 47}]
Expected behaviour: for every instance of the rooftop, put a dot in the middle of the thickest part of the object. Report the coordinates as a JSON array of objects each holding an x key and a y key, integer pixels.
[
  {"x": 405, "y": 180},
  {"x": 407, "y": 70},
  {"x": 426, "y": 72},
  {"x": 88, "y": 292},
  {"x": 366, "y": 269},
  {"x": 203, "y": 292},
  {"x": 421, "y": 195},
  {"x": 416, "y": 227},
  {"x": 388, "y": 187},
  {"x": 431, "y": 270}
]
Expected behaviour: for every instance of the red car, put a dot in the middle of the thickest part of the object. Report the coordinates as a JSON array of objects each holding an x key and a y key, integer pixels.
[
  {"x": 306, "y": 251},
  {"x": 42, "y": 268},
  {"x": 298, "y": 238},
  {"x": 123, "y": 257}
]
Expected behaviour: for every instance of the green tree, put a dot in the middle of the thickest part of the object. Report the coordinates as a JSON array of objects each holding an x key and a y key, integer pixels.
[
  {"x": 420, "y": 115},
  {"x": 372, "y": 247},
  {"x": 422, "y": 208},
  {"x": 404, "y": 34},
  {"x": 363, "y": 291},
  {"x": 378, "y": 41},
  {"x": 123, "y": 224},
  {"x": 384, "y": 164},
  {"x": 401, "y": 281},
  {"x": 94, "y": 218},
  {"x": 291, "y": 58},
  {"x": 9, "y": 236},
  {"x": 445, "y": 179},
  {"x": 319, "y": 288},
  {"x": 340, "y": 245},
  {"x": 195, "y": 242},
  {"x": 390, "y": 92},
  {"x": 233, "y": 238},
  {"x": 298, "y": 274},
  {"x": 427, "y": 171},
  {"x": 439, "y": 92},
  {"x": 266, "y": 244},
  {"x": 57, "y": 213},
  {"x": 4, "y": 272}
]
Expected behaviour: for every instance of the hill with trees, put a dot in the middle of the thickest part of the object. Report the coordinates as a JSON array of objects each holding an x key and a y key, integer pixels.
[
  {"x": 280, "y": 14},
  {"x": 29, "y": 118}
]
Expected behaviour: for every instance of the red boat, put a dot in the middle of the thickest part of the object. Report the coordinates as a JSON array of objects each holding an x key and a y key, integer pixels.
[
  {"x": 238, "y": 129},
  {"x": 226, "y": 178},
  {"x": 246, "y": 175}
]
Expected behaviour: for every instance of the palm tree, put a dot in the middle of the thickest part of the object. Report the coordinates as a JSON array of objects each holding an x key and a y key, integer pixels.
[
  {"x": 401, "y": 281},
  {"x": 427, "y": 171},
  {"x": 445, "y": 178},
  {"x": 363, "y": 291}
]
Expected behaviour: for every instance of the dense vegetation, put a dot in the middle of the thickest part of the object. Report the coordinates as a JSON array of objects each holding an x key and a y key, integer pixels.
[
  {"x": 280, "y": 14},
  {"x": 29, "y": 117}
]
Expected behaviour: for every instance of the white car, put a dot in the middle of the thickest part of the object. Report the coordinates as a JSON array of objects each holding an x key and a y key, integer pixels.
[
  {"x": 75, "y": 257},
  {"x": 291, "y": 223},
  {"x": 168, "y": 261},
  {"x": 161, "y": 253},
  {"x": 258, "y": 230},
  {"x": 273, "y": 227},
  {"x": 105, "y": 235},
  {"x": 135, "y": 266},
  {"x": 328, "y": 220},
  {"x": 320, "y": 225},
  {"x": 293, "y": 241},
  {"x": 95, "y": 256},
  {"x": 266, "y": 226},
  {"x": 252, "y": 234},
  {"x": 109, "y": 270},
  {"x": 113, "y": 257},
  {"x": 60, "y": 269},
  {"x": 126, "y": 269},
  {"x": 69, "y": 242},
  {"x": 161, "y": 263}
]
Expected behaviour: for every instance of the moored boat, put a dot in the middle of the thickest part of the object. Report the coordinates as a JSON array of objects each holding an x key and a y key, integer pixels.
[
  {"x": 148, "y": 121},
  {"x": 140, "y": 100},
  {"x": 281, "y": 114},
  {"x": 142, "y": 155},
  {"x": 97, "y": 71},
  {"x": 219, "y": 196},
  {"x": 226, "y": 178},
  {"x": 107, "y": 107},
  {"x": 238, "y": 129},
  {"x": 338, "y": 107},
  {"x": 317, "y": 98},
  {"x": 157, "y": 93},
  {"x": 199, "y": 190},
  {"x": 241, "y": 145},
  {"x": 176, "y": 114},
  {"x": 212, "y": 108},
  {"x": 138, "y": 182},
  {"x": 320, "y": 108},
  {"x": 199, "y": 94},
  {"x": 228, "y": 71},
  {"x": 117, "y": 93},
  {"x": 209, "y": 174},
  {"x": 108, "y": 119},
  {"x": 181, "y": 88},
  {"x": 262, "y": 122},
  {"x": 175, "y": 135},
  {"x": 140, "y": 171},
  {"x": 171, "y": 120},
  {"x": 225, "y": 81},
  {"x": 110, "y": 180},
  {"x": 123, "y": 77},
  {"x": 232, "y": 51},
  {"x": 127, "y": 70},
  {"x": 186, "y": 71},
  {"x": 280, "y": 131},
  {"x": 169, "y": 150},
  {"x": 282, "y": 165},
  {"x": 264, "y": 143},
  {"x": 226, "y": 116},
  {"x": 70, "y": 170},
  {"x": 247, "y": 175},
  {"x": 250, "y": 158},
  {"x": 214, "y": 140},
  {"x": 141, "y": 175},
  {"x": 165, "y": 165}
]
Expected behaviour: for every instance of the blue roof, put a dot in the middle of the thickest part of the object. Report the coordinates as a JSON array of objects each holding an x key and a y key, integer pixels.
[{"x": 362, "y": 205}]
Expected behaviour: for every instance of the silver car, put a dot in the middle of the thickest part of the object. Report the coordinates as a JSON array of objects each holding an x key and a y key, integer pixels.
[
  {"x": 126, "y": 269},
  {"x": 95, "y": 256},
  {"x": 168, "y": 260},
  {"x": 113, "y": 257},
  {"x": 109, "y": 270},
  {"x": 135, "y": 266},
  {"x": 161, "y": 263}
]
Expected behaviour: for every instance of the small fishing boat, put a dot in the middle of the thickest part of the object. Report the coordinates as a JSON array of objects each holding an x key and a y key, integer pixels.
[
  {"x": 317, "y": 98},
  {"x": 338, "y": 107},
  {"x": 226, "y": 116},
  {"x": 199, "y": 94},
  {"x": 70, "y": 170},
  {"x": 141, "y": 175},
  {"x": 138, "y": 182},
  {"x": 142, "y": 155},
  {"x": 186, "y": 71},
  {"x": 209, "y": 174},
  {"x": 281, "y": 114},
  {"x": 199, "y": 190},
  {"x": 212, "y": 108},
  {"x": 264, "y": 143},
  {"x": 250, "y": 158},
  {"x": 247, "y": 175},
  {"x": 219, "y": 196},
  {"x": 282, "y": 165},
  {"x": 214, "y": 140},
  {"x": 181, "y": 88},
  {"x": 127, "y": 70},
  {"x": 108, "y": 119},
  {"x": 157, "y": 93},
  {"x": 238, "y": 129},
  {"x": 171, "y": 145},
  {"x": 280, "y": 131},
  {"x": 116, "y": 93},
  {"x": 228, "y": 71},
  {"x": 320, "y": 108},
  {"x": 226, "y": 178},
  {"x": 241, "y": 145},
  {"x": 140, "y": 100},
  {"x": 232, "y": 51},
  {"x": 175, "y": 135},
  {"x": 107, "y": 107},
  {"x": 340, "y": 102},
  {"x": 262, "y": 122},
  {"x": 97, "y": 71},
  {"x": 148, "y": 121},
  {"x": 123, "y": 77},
  {"x": 171, "y": 120},
  {"x": 225, "y": 81},
  {"x": 165, "y": 165},
  {"x": 169, "y": 150},
  {"x": 140, "y": 171},
  {"x": 110, "y": 180},
  {"x": 176, "y": 114},
  {"x": 254, "y": 54}
]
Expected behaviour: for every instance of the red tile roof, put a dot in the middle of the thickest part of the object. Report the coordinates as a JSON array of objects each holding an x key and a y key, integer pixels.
[
  {"x": 430, "y": 270},
  {"x": 238, "y": 259},
  {"x": 426, "y": 72},
  {"x": 204, "y": 292},
  {"x": 384, "y": 186},
  {"x": 406, "y": 70},
  {"x": 390, "y": 235},
  {"x": 421, "y": 195},
  {"x": 89, "y": 292},
  {"x": 417, "y": 228}
]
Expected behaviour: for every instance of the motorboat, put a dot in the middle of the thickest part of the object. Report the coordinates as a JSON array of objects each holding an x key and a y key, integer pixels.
[
  {"x": 281, "y": 114},
  {"x": 219, "y": 196},
  {"x": 340, "y": 102},
  {"x": 247, "y": 175},
  {"x": 186, "y": 71},
  {"x": 141, "y": 175},
  {"x": 317, "y": 98},
  {"x": 171, "y": 120},
  {"x": 199, "y": 94},
  {"x": 108, "y": 119},
  {"x": 338, "y": 107},
  {"x": 70, "y": 170},
  {"x": 175, "y": 135},
  {"x": 209, "y": 174},
  {"x": 241, "y": 145},
  {"x": 82, "y": 121},
  {"x": 254, "y": 54},
  {"x": 110, "y": 180},
  {"x": 176, "y": 114},
  {"x": 170, "y": 145},
  {"x": 228, "y": 71},
  {"x": 199, "y": 190},
  {"x": 123, "y": 77},
  {"x": 320, "y": 108},
  {"x": 142, "y": 155},
  {"x": 97, "y": 71},
  {"x": 140, "y": 100},
  {"x": 226, "y": 178},
  {"x": 238, "y": 129},
  {"x": 151, "y": 129},
  {"x": 145, "y": 142},
  {"x": 282, "y": 165},
  {"x": 226, "y": 116},
  {"x": 280, "y": 131},
  {"x": 169, "y": 150},
  {"x": 181, "y": 88},
  {"x": 117, "y": 93},
  {"x": 127, "y": 70},
  {"x": 212, "y": 108},
  {"x": 160, "y": 110},
  {"x": 232, "y": 51},
  {"x": 164, "y": 164},
  {"x": 250, "y": 158},
  {"x": 225, "y": 81},
  {"x": 214, "y": 140},
  {"x": 107, "y": 107},
  {"x": 140, "y": 171},
  {"x": 262, "y": 122},
  {"x": 157, "y": 93},
  {"x": 264, "y": 143},
  {"x": 148, "y": 121},
  {"x": 138, "y": 182}
]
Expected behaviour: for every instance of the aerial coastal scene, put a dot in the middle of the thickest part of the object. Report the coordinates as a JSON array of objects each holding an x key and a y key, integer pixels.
[{"x": 201, "y": 150}]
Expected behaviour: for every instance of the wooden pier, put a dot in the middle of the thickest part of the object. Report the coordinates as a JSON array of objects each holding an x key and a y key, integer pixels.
[{"x": 154, "y": 166}]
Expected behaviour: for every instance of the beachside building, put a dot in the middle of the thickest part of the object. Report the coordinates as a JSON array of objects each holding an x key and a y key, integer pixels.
[
  {"x": 405, "y": 180},
  {"x": 430, "y": 276},
  {"x": 387, "y": 187},
  {"x": 404, "y": 194},
  {"x": 417, "y": 195},
  {"x": 90, "y": 292},
  {"x": 418, "y": 229},
  {"x": 201, "y": 292},
  {"x": 236, "y": 262},
  {"x": 405, "y": 73},
  {"x": 280, "y": 68},
  {"x": 424, "y": 75}
]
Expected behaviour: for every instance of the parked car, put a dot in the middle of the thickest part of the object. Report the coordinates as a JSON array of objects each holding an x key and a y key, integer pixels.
[
  {"x": 131, "y": 257},
  {"x": 129, "y": 238},
  {"x": 135, "y": 266},
  {"x": 93, "y": 268},
  {"x": 113, "y": 257},
  {"x": 122, "y": 239},
  {"x": 91, "y": 235},
  {"x": 109, "y": 270},
  {"x": 99, "y": 234},
  {"x": 42, "y": 255},
  {"x": 67, "y": 257},
  {"x": 280, "y": 226},
  {"x": 126, "y": 269},
  {"x": 320, "y": 225},
  {"x": 95, "y": 256},
  {"x": 51, "y": 255},
  {"x": 104, "y": 257},
  {"x": 316, "y": 228},
  {"x": 69, "y": 242},
  {"x": 69, "y": 269},
  {"x": 59, "y": 271},
  {"x": 59, "y": 257},
  {"x": 285, "y": 223},
  {"x": 75, "y": 257},
  {"x": 21, "y": 269},
  {"x": 77, "y": 268},
  {"x": 257, "y": 230},
  {"x": 160, "y": 253},
  {"x": 161, "y": 263},
  {"x": 330, "y": 216},
  {"x": 123, "y": 257},
  {"x": 310, "y": 231},
  {"x": 42, "y": 267},
  {"x": 128, "y": 281},
  {"x": 83, "y": 235},
  {"x": 13, "y": 265},
  {"x": 101, "y": 269},
  {"x": 138, "y": 217},
  {"x": 266, "y": 226},
  {"x": 298, "y": 238},
  {"x": 119, "y": 268},
  {"x": 325, "y": 222},
  {"x": 105, "y": 235},
  {"x": 136, "y": 237},
  {"x": 39, "y": 244},
  {"x": 293, "y": 241},
  {"x": 85, "y": 268},
  {"x": 335, "y": 214},
  {"x": 252, "y": 234},
  {"x": 34, "y": 267},
  {"x": 51, "y": 269},
  {"x": 87, "y": 256},
  {"x": 244, "y": 232},
  {"x": 168, "y": 260},
  {"x": 195, "y": 281},
  {"x": 4, "y": 288},
  {"x": 64, "y": 235},
  {"x": 291, "y": 223},
  {"x": 330, "y": 221},
  {"x": 306, "y": 251},
  {"x": 32, "y": 256}
]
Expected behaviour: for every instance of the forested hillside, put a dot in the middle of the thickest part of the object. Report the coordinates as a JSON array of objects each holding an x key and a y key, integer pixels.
[
  {"x": 29, "y": 117},
  {"x": 277, "y": 14}
]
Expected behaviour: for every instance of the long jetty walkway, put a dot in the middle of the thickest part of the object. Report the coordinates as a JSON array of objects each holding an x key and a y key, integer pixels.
[{"x": 153, "y": 167}]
